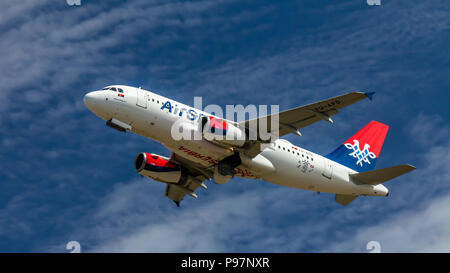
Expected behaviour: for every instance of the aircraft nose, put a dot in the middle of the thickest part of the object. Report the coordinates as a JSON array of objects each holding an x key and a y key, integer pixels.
[{"x": 92, "y": 98}]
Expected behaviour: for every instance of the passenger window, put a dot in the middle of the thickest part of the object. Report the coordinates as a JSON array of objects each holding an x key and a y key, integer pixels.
[
  {"x": 120, "y": 90},
  {"x": 113, "y": 89}
]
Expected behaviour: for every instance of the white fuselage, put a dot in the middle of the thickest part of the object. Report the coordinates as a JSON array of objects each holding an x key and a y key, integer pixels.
[{"x": 292, "y": 166}]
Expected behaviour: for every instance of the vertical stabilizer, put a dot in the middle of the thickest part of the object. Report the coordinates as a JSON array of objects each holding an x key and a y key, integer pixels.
[{"x": 360, "y": 152}]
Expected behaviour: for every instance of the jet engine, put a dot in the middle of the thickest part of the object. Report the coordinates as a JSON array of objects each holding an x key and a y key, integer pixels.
[
  {"x": 222, "y": 132},
  {"x": 158, "y": 168}
]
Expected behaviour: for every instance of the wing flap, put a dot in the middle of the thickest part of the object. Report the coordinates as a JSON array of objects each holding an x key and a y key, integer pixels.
[
  {"x": 344, "y": 199},
  {"x": 174, "y": 193},
  {"x": 188, "y": 186},
  {"x": 177, "y": 192},
  {"x": 382, "y": 175}
]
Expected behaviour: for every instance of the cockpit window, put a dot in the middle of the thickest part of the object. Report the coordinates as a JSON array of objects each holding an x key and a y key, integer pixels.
[{"x": 113, "y": 89}]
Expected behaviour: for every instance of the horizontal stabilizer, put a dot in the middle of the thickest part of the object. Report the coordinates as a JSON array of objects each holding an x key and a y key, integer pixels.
[
  {"x": 382, "y": 175},
  {"x": 345, "y": 199}
]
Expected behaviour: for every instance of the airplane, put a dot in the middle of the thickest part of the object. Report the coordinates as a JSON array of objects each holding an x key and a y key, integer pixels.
[{"x": 347, "y": 172}]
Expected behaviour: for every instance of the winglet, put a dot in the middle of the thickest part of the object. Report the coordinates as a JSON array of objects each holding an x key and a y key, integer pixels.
[{"x": 369, "y": 95}]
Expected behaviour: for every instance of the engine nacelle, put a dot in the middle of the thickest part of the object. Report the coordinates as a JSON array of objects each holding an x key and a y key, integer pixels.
[
  {"x": 157, "y": 168},
  {"x": 222, "y": 132}
]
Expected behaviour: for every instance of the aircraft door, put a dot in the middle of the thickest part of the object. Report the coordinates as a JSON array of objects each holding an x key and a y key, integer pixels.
[
  {"x": 327, "y": 168},
  {"x": 142, "y": 98}
]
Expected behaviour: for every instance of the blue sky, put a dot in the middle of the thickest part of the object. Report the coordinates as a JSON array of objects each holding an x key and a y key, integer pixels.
[{"x": 66, "y": 176}]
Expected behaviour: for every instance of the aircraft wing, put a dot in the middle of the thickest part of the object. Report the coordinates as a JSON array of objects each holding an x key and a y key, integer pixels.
[
  {"x": 177, "y": 192},
  {"x": 294, "y": 119}
]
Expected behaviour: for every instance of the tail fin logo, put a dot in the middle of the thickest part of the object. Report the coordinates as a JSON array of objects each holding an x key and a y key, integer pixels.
[
  {"x": 361, "y": 151},
  {"x": 361, "y": 156}
]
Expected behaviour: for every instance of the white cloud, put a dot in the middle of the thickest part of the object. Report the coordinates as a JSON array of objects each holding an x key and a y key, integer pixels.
[
  {"x": 415, "y": 229},
  {"x": 169, "y": 229}
]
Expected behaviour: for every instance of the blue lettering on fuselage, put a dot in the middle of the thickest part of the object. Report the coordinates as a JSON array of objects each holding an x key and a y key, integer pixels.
[
  {"x": 167, "y": 105},
  {"x": 191, "y": 114}
]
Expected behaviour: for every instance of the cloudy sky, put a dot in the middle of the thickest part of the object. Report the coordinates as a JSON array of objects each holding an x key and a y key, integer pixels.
[{"x": 65, "y": 176}]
